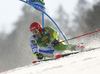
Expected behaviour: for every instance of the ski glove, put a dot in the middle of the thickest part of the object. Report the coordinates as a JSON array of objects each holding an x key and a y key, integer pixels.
[
  {"x": 55, "y": 42},
  {"x": 39, "y": 55}
]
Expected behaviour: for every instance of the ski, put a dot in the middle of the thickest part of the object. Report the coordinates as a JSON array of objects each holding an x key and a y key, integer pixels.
[
  {"x": 56, "y": 57},
  {"x": 64, "y": 55}
]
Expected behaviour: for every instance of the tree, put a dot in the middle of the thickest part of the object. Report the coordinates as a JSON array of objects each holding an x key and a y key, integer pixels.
[
  {"x": 81, "y": 8},
  {"x": 93, "y": 17},
  {"x": 62, "y": 19}
]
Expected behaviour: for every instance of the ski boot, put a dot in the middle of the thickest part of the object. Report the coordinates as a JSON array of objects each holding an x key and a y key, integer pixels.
[{"x": 80, "y": 47}]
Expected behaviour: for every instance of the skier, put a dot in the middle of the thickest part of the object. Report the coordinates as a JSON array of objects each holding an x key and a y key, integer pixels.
[{"x": 47, "y": 40}]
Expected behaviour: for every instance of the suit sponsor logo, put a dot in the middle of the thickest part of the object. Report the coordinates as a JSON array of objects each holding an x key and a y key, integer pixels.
[{"x": 44, "y": 38}]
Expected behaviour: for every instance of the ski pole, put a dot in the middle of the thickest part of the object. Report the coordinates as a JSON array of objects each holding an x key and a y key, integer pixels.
[{"x": 80, "y": 36}]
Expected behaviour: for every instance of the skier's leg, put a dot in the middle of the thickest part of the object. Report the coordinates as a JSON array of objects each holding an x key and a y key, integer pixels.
[
  {"x": 46, "y": 51},
  {"x": 75, "y": 47},
  {"x": 62, "y": 47}
]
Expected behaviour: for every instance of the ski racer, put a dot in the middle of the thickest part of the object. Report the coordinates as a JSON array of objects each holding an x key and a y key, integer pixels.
[{"x": 45, "y": 41}]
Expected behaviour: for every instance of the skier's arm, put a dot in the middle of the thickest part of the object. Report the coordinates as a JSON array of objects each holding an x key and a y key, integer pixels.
[{"x": 34, "y": 46}]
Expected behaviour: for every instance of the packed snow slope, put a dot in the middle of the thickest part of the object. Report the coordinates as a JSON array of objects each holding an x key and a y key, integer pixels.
[{"x": 81, "y": 63}]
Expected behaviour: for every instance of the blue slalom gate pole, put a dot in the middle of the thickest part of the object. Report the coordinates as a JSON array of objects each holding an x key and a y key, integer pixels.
[{"x": 42, "y": 19}]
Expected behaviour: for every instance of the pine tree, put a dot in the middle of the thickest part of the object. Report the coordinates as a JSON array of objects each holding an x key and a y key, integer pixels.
[
  {"x": 62, "y": 19},
  {"x": 81, "y": 9},
  {"x": 92, "y": 19}
]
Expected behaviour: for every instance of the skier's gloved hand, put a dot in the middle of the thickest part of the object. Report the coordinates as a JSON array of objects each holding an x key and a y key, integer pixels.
[
  {"x": 55, "y": 42},
  {"x": 38, "y": 55}
]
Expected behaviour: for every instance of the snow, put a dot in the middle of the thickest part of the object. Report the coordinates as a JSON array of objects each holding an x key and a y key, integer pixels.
[{"x": 81, "y": 63}]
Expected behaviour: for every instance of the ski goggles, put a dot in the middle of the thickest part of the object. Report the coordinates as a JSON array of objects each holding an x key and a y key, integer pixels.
[{"x": 35, "y": 31}]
